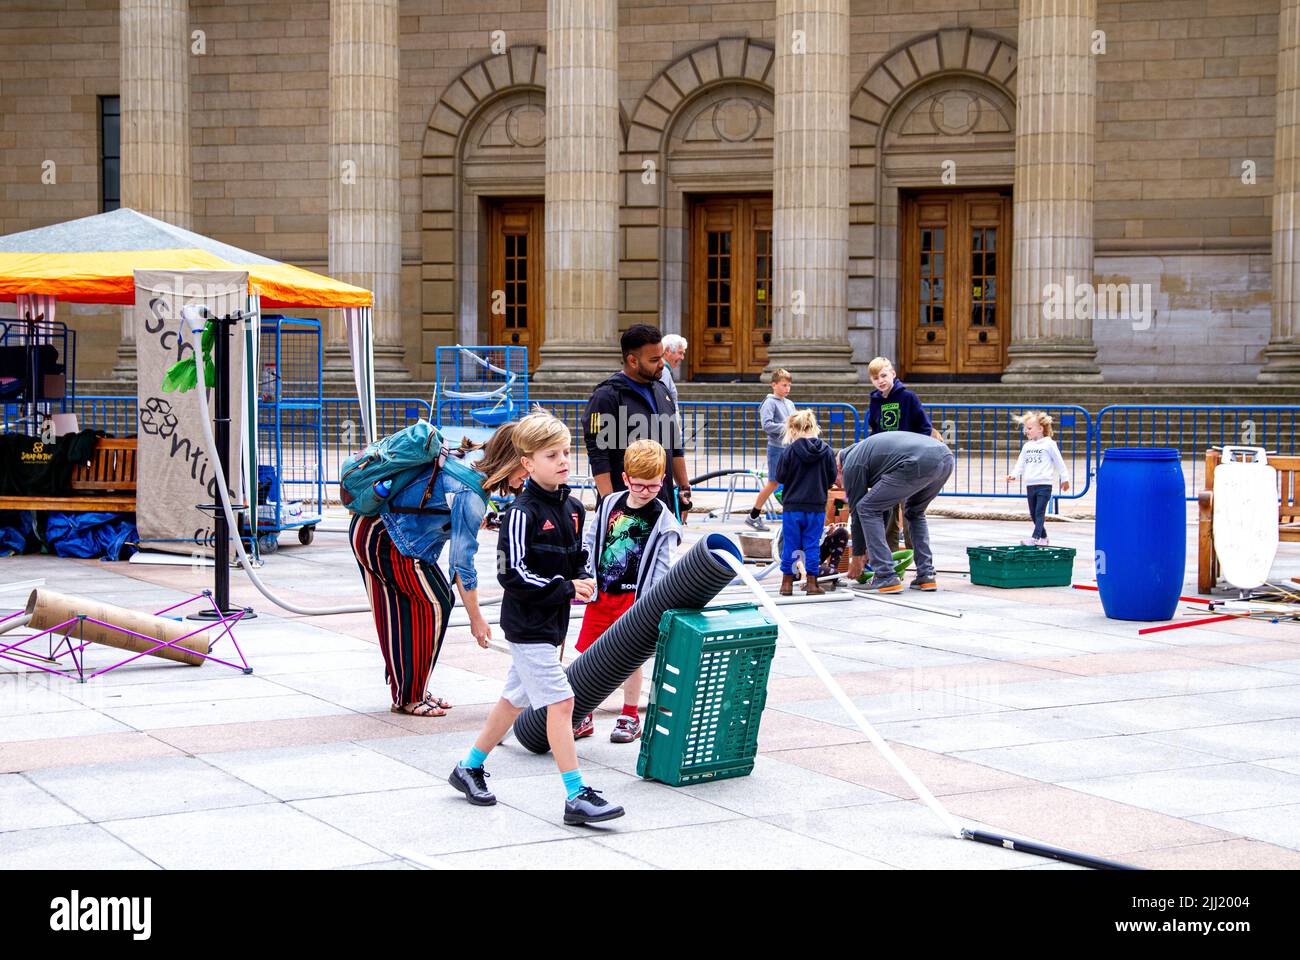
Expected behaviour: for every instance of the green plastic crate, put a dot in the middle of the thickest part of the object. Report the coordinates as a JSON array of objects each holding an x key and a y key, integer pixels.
[
  {"x": 708, "y": 693},
  {"x": 1021, "y": 566}
]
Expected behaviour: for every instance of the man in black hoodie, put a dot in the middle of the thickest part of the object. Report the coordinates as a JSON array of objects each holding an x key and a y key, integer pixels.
[{"x": 634, "y": 405}]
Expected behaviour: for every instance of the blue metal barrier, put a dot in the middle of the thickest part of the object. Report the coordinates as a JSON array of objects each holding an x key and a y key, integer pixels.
[
  {"x": 116, "y": 416},
  {"x": 1193, "y": 429},
  {"x": 715, "y": 435},
  {"x": 986, "y": 442},
  {"x": 343, "y": 435}
]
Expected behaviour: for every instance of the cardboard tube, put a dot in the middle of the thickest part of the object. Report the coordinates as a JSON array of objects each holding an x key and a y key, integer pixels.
[{"x": 48, "y": 609}]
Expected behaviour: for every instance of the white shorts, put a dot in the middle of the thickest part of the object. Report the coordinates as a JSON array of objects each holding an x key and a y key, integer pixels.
[{"x": 536, "y": 677}]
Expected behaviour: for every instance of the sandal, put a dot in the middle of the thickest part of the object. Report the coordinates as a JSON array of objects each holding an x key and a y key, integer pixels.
[
  {"x": 424, "y": 708},
  {"x": 437, "y": 701}
]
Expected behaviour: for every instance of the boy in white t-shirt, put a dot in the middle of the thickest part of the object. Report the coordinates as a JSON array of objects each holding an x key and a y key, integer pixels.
[{"x": 1039, "y": 464}]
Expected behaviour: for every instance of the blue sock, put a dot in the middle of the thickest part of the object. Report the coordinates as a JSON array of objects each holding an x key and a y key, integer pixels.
[
  {"x": 572, "y": 783},
  {"x": 475, "y": 758}
]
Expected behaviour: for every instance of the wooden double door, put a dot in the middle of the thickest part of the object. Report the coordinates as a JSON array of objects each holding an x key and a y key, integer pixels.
[
  {"x": 955, "y": 309},
  {"x": 515, "y": 300},
  {"x": 730, "y": 285}
]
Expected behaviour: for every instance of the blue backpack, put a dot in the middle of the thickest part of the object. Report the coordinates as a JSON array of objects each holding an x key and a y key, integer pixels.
[{"x": 370, "y": 477}]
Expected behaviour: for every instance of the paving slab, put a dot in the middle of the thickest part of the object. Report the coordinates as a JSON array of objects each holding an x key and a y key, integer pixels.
[
  {"x": 1285, "y": 764},
  {"x": 85, "y": 846},
  {"x": 886, "y": 707},
  {"x": 775, "y": 787},
  {"x": 1198, "y": 790},
  {"x": 25, "y": 806},
  {"x": 1258, "y": 740},
  {"x": 903, "y": 834},
  {"x": 201, "y": 712},
  {"x": 987, "y": 730},
  {"x": 736, "y": 845},
  {"x": 1077, "y": 821},
  {"x": 271, "y": 836},
  {"x": 319, "y": 770},
  {"x": 437, "y": 753},
  {"x": 572, "y": 854},
  {"x": 1095, "y": 757},
  {"x": 430, "y": 821},
  {"x": 145, "y": 788},
  {"x": 227, "y": 685},
  {"x": 649, "y": 805},
  {"x": 1276, "y": 825},
  {"x": 81, "y": 722}
]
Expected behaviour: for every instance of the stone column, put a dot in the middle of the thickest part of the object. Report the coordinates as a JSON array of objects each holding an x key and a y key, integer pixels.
[
  {"x": 582, "y": 195},
  {"x": 810, "y": 197},
  {"x": 1282, "y": 357},
  {"x": 365, "y": 228},
  {"x": 154, "y": 78},
  {"x": 1052, "y": 242}
]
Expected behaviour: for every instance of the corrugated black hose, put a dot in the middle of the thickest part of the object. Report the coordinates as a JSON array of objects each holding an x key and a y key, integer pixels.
[{"x": 690, "y": 583}]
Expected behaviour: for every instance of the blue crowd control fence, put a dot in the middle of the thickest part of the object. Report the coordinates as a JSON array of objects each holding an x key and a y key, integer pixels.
[
  {"x": 986, "y": 441},
  {"x": 726, "y": 435},
  {"x": 715, "y": 435},
  {"x": 114, "y": 415},
  {"x": 1191, "y": 430}
]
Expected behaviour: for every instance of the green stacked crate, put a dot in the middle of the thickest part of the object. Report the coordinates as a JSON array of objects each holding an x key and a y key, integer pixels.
[
  {"x": 1021, "y": 566},
  {"x": 709, "y": 689}
]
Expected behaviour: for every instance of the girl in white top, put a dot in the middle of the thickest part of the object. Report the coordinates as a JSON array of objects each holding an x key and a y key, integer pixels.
[{"x": 1038, "y": 465}]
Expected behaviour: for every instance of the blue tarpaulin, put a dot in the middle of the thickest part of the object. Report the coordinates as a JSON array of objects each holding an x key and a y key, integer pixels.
[{"x": 90, "y": 535}]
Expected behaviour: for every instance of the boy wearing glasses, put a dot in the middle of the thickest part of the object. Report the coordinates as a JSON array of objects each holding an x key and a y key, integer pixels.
[{"x": 631, "y": 545}]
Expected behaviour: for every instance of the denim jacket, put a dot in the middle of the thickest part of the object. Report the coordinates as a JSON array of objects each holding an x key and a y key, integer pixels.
[{"x": 422, "y": 535}]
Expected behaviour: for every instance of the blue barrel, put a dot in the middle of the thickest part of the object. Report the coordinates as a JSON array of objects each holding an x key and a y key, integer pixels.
[{"x": 1141, "y": 539}]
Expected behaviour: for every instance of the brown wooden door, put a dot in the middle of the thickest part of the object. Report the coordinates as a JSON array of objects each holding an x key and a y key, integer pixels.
[
  {"x": 956, "y": 294},
  {"x": 515, "y": 301},
  {"x": 731, "y": 286}
]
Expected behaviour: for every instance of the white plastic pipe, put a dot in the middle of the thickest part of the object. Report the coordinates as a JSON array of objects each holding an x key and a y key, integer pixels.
[
  {"x": 950, "y": 824},
  {"x": 196, "y": 319}
]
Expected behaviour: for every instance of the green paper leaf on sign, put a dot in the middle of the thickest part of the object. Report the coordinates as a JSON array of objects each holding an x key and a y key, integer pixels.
[
  {"x": 181, "y": 377},
  {"x": 209, "y": 372}
]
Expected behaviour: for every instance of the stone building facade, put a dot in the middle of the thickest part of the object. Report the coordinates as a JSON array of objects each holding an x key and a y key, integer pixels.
[{"x": 809, "y": 183}]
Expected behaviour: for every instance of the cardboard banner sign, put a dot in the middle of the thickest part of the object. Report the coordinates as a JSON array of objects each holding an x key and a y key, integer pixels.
[{"x": 174, "y": 471}]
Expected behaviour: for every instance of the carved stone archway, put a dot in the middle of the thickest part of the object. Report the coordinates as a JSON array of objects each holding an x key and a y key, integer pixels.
[
  {"x": 704, "y": 125},
  {"x": 947, "y": 95},
  {"x": 485, "y": 138}
]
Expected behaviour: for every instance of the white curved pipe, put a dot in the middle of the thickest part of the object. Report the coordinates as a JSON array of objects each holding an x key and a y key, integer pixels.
[
  {"x": 196, "y": 318},
  {"x": 789, "y": 629}
]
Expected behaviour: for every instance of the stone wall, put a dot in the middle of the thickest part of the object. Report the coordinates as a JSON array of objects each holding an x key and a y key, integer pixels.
[{"x": 1184, "y": 97}]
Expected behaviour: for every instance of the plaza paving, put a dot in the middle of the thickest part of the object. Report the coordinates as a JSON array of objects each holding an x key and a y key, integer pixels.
[{"x": 1032, "y": 715}]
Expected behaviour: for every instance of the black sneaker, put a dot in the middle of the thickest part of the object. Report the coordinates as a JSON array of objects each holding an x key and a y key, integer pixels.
[
  {"x": 472, "y": 781},
  {"x": 590, "y": 807}
]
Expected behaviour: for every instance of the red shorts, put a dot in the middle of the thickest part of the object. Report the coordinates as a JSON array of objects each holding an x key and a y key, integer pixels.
[{"x": 600, "y": 616}]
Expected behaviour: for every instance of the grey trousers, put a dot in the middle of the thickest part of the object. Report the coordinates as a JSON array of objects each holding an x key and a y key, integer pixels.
[{"x": 915, "y": 485}]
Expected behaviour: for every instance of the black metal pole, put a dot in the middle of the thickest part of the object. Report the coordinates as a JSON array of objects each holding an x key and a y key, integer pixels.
[
  {"x": 221, "y": 431},
  {"x": 1044, "y": 850},
  {"x": 221, "y": 428}
]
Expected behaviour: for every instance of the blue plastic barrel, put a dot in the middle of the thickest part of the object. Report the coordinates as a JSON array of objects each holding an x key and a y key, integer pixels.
[{"x": 1141, "y": 538}]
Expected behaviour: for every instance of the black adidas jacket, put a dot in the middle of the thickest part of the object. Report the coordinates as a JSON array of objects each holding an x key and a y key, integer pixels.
[{"x": 539, "y": 553}]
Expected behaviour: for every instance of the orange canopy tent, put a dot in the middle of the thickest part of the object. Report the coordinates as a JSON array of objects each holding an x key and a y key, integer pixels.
[{"x": 93, "y": 260}]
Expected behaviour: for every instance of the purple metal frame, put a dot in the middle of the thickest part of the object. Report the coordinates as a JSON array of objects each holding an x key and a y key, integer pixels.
[{"x": 227, "y": 623}]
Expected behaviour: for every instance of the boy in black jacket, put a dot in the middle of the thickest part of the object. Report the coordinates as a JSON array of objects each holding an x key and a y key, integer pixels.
[
  {"x": 540, "y": 564},
  {"x": 894, "y": 407}
]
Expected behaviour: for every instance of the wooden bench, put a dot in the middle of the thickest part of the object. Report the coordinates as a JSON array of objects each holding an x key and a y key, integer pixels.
[
  {"x": 1288, "y": 471},
  {"x": 105, "y": 482}
]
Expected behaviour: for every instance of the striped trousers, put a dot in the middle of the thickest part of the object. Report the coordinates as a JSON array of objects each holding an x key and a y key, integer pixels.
[{"x": 411, "y": 601}]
